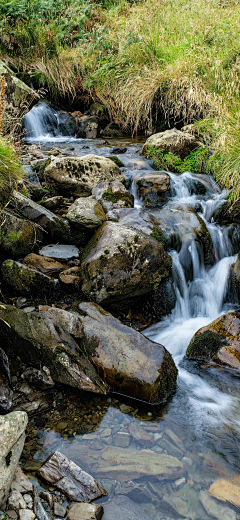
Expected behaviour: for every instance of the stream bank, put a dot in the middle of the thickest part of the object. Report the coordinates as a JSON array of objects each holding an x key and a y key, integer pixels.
[{"x": 199, "y": 427}]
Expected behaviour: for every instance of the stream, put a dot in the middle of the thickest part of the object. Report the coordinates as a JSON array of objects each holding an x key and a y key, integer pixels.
[{"x": 200, "y": 425}]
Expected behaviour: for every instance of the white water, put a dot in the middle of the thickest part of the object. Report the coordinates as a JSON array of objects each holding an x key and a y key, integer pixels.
[
  {"x": 42, "y": 125},
  {"x": 198, "y": 303}
]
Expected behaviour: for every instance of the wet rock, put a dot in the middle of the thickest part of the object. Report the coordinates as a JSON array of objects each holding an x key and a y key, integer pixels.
[
  {"x": 113, "y": 195},
  {"x": 52, "y": 224},
  {"x": 121, "y": 263},
  {"x": 70, "y": 479},
  {"x": 5, "y": 394},
  {"x": 219, "y": 341},
  {"x": 20, "y": 482},
  {"x": 38, "y": 507},
  {"x": 236, "y": 276},
  {"x": 140, "y": 435},
  {"x": 53, "y": 203},
  {"x": 100, "y": 111},
  {"x": 122, "y": 508},
  {"x": 59, "y": 511},
  {"x": 78, "y": 175},
  {"x": 151, "y": 186},
  {"x": 39, "y": 378},
  {"x": 16, "y": 501},
  {"x": 25, "y": 280},
  {"x": 86, "y": 214},
  {"x": 228, "y": 213},
  {"x": 12, "y": 436},
  {"x": 119, "y": 149},
  {"x": 40, "y": 336},
  {"x": 214, "y": 509},
  {"x": 129, "y": 362},
  {"x": 43, "y": 264},
  {"x": 180, "y": 224},
  {"x": 60, "y": 252},
  {"x": 71, "y": 277},
  {"x": 225, "y": 491},
  {"x": 112, "y": 130},
  {"x": 18, "y": 237},
  {"x": 175, "y": 141},
  {"x": 121, "y": 439},
  {"x": 137, "y": 492},
  {"x": 26, "y": 514},
  {"x": 85, "y": 512},
  {"x": 88, "y": 127}
]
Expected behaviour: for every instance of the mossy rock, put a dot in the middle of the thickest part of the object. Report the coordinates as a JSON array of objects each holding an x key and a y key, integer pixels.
[
  {"x": 116, "y": 160},
  {"x": 205, "y": 345}
]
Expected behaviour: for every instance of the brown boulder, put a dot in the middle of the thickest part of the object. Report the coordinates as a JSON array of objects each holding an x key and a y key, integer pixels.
[{"x": 175, "y": 141}]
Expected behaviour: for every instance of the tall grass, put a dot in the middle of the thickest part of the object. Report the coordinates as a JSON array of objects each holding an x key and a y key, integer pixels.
[{"x": 152, "y": 63}]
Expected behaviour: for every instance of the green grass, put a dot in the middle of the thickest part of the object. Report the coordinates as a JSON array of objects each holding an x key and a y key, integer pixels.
[
  {"x": 195, "y": 162},
  {"x": 153, "y": 64},
  {"x": 10, "y": 171}
]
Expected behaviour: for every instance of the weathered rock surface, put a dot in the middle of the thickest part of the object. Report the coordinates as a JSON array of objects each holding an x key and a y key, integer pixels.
[
  {"x": 112, "y": 130},
  {"x": 71, "y": 277},
  {"x": 130, "y": 363},
  {"x": 219, "y": 341},
  {"x": 78, "y": 175},
  {"x": 20, "y": 482},
  {"x": 53, "y": 203},
  {"x": 48, "y": 335},
  {"x": 18, "y": 236},
  {"x": 86, "y": 213},
  {"x": 122, "y": 508},
  {"x": 40, "y": 378},
  {"x": 52, "y": 224},
  {"x": 236, "y": 276},
  {"x": 5, "y": 393},
  {"x": 175, "y": 141},
  {"x": 181, "y": 224},
  {"x": 70, "y": 479},
  {"x": 60, "y": 252},
  {"x": 151, "y": 186},
  {"x": 17, "y": 96},
  {"x": 85, "y": 512},
  {"x": 12, "y": 436},
  {"x": 87, "y": 127},
  {"x": 121, "y": 262},
  {"x": 125, "y": 465},
  {"x": 228, "y": 213},
  {"x": 45, "y": 265},
  {"x": 215, "y": 509},
  {"x": 25, "y": 280},
  {"x": 225, "y": 491},
  {"x": 113, "y": 195}
]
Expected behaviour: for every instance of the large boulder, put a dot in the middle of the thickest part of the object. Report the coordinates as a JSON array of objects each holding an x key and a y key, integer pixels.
[
  {"x": 130, "y": 363},
  {"x": 151, "y": 186},
  {"x": 12, "y": 437},
  {"x": 18, "y": 96},
  {"x": 175, "y": 141},
  {"x": 25, "y": 280},
  {"x": 18, "y": 236},
  {"x": 52, "y": 224},
  {"x": 52, "y": 336},
  {"x": 121, "y": 262},
  {"x": 228, "y": 213},
  {"x": 77, "y": 176},
  {"x": 219, "y": 341},
  {"x": 86, "y": 214}
]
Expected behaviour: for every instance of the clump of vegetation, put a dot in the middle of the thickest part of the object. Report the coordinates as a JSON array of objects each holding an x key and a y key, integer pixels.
[
  {"x": 195, "y": 162},
  {"x": 159, "y": 235},
  {"x": 10, "y": 171}
]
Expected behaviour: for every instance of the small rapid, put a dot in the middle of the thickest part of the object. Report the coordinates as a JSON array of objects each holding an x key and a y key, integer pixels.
[
  {"x": 42, "y": 124},
  {"x": 199, "y": 301}
]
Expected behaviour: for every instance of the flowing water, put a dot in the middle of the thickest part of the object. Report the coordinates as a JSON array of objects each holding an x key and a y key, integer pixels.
[{"x": 200, "y": 425}]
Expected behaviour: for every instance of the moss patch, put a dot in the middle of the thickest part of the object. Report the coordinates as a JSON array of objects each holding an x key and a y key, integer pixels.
[{"x": 206, "y": 345}]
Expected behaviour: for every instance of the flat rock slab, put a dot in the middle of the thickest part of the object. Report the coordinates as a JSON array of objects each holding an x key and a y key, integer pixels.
[
  {"x": 60, "y": 252},
  {"x": 122, "y": 508},
  {"x": 43, "y": 264},
  {"x": 122, "y": 464},
  {"x": 70, "y": 479},
  {"x": 225, "y": 491},
  {"x": 85, "y": 512}
]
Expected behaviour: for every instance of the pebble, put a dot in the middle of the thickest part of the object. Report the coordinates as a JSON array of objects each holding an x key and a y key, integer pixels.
[
  {"x": 121, "y": 439},
  {"x": 59, "y": 510},
  {"x": 26, "y": 514}
]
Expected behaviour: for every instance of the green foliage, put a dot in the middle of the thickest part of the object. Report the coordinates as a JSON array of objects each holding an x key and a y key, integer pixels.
[
  {"x": 10, "y": 171},
  {"x": 195, "y": 162},
  {"x": 159, "y": 235}
]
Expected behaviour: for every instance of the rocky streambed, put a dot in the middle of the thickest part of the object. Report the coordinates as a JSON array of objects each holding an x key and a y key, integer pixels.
[{"x": 97, "y": 249}]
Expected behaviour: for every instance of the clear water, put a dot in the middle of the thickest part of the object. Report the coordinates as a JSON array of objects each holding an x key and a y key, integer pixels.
[{"x": 204, "y": 413}]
